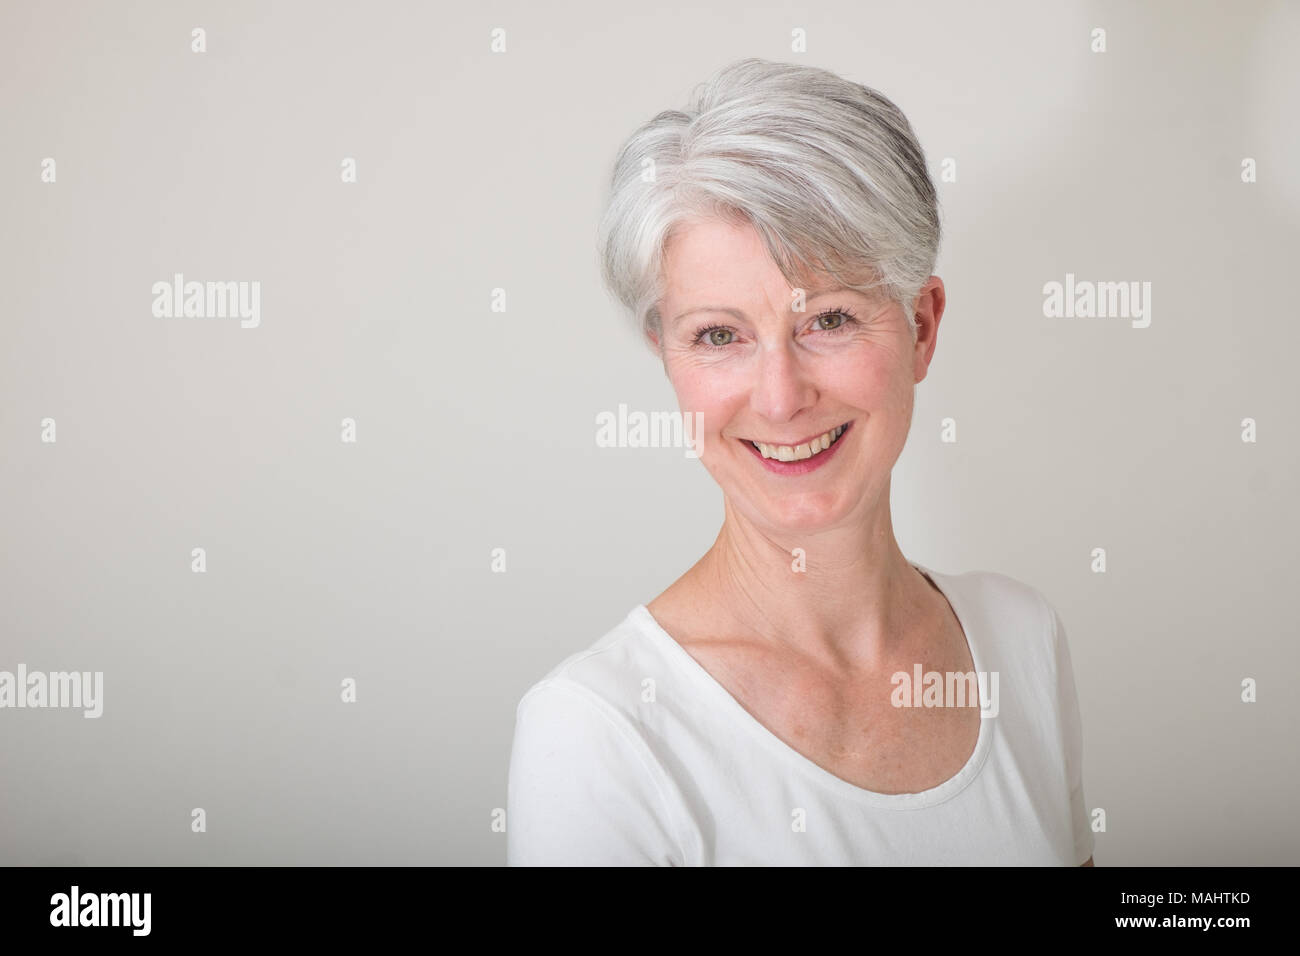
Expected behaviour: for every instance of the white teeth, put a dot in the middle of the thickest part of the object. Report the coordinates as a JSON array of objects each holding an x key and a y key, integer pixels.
[{"x": 800, "y": 452}]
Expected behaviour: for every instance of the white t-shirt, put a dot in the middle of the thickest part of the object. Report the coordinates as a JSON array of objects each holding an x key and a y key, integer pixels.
[{"x": 631, "y": 753}]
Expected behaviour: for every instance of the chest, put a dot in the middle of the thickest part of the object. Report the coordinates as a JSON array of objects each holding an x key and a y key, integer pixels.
[{"x": 852, "y": 725}]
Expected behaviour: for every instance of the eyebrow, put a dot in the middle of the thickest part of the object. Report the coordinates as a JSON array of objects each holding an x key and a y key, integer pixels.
[{"x": 740, "y": 313}]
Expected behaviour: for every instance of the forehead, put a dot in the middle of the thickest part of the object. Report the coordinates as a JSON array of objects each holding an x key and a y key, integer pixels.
[
  {"x": 711, "y": 251},
  {"x": 714, "y": 264},
  {"x": 709, "y": 256}
]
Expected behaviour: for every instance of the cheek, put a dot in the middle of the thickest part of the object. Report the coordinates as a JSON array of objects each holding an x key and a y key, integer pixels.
[
  {"x": 862, "y": 379},
  {"x": 711, "y": 391}
]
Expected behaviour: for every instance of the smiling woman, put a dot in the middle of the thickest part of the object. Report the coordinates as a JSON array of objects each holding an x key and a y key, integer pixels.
[{"x": 747, "y": 714}]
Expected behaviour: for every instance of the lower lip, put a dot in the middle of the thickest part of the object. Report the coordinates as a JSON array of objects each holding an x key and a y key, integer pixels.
[{"x": 799, "y": 467}]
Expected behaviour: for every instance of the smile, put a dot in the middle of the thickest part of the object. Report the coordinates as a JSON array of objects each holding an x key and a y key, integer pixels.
[{"x": 801, "y": 451}]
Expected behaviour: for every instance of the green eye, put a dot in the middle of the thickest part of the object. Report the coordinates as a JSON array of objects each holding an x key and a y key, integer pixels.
[
  {"x": 717, "y": 335},
  {"x": 830, "y": 320}
]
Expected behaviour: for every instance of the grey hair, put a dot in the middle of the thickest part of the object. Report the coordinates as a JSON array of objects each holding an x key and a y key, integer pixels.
[{"x": 826, "y": 170}]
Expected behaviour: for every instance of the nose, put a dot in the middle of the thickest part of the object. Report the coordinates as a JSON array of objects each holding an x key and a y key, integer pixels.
[{"x": 782, "y": 386}]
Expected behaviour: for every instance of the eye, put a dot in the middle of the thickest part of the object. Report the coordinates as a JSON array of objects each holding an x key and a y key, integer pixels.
[
  {"x": 832, "y": 320},
  {"x": 716, "y": 336}
]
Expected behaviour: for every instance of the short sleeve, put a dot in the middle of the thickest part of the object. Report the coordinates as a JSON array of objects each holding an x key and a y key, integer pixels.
[
  {"x": 583, "y": 789},
  {"x": 1071, "y": 724}
]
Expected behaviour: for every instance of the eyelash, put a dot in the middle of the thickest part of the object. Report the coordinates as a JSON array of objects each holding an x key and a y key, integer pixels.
[{"x": 849, "y": 318}]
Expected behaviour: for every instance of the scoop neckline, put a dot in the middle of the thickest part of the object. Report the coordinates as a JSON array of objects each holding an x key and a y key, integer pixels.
[{"x": 896, "y": 801}]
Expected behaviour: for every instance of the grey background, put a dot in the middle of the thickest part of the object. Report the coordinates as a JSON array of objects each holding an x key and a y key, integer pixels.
[{"x": 476, "y": 429}]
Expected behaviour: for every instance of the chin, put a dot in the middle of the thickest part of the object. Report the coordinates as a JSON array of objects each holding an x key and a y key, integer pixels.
[{"x": 805, "y": 513}]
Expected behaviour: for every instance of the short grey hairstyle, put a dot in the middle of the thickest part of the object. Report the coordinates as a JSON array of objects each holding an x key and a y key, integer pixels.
[{"x": 827, "y": 171}]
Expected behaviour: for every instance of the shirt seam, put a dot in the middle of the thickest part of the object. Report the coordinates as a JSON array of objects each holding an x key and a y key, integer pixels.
[
  {"x": 648, "y": 762},
  {"x": 559, "y": 673},
  {"x": 1056, "y": 670}
]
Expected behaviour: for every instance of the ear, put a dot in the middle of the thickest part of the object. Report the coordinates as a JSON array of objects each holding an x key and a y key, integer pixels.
[{"x": 930, "y": 304}]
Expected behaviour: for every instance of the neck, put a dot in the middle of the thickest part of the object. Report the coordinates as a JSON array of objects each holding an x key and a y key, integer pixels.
[{"x": 849, "y": 606}]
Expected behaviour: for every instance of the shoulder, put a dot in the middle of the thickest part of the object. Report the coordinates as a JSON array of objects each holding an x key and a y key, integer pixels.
[
  {"x": 584, "y": 786},
  {"x": 607, "y": 675},
  {"x": 589, "y": 704},
  {"x": 1001, "y": 600},
  {"x": 1015, "y": 620},
  {"x": 995, "y": 592}
]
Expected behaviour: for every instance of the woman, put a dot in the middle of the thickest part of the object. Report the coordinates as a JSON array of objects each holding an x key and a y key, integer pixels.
[{"x": 775, "y": 704}]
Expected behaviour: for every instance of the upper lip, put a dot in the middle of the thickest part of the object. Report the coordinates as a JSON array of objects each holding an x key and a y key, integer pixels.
[{"x": 802, "y": 441}]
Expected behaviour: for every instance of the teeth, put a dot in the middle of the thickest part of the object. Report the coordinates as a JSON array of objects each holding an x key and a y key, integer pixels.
[{"x": 800, "y": 452}]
